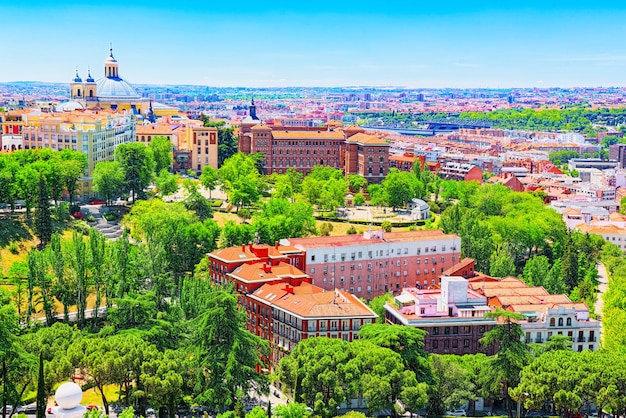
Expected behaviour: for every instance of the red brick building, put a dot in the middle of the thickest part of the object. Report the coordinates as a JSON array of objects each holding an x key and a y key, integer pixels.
[
  {"x": 281, "y": 304},
  {"x": 302, "y": 147}
]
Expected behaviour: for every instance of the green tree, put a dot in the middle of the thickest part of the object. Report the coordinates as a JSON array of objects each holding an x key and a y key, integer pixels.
[
  {"x": 502, "y": 264},
  {"x": 241, "y": 180},
  {"x": 9, "y": 328},
  {"x": 108, "y": 180},
  {"x": 536, "y": 270},
  {"x": 161, "y": 148},
  {"x": 292, "y": 410},
  {"x": 356, "y": 183},
  {"x": 512, "y": 355},
  {"x": 166, "y": 183},
  {"x": 43, "y": 219},
  {"x": 451, "y": 387},
  {"x": 400, "y": 187},
  {"x": 137, "y": 163},
  {"x": 41, "y": 393},
  {"x": 406, "y": 341},
  {"x": 209, "y": 178},
  {"x": 359, "y": 199},
  {"x": 73, "y": 165},
  {"x": 227, "y": 353}
]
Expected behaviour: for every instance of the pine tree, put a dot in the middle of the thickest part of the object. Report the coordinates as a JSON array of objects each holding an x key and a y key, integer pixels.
[
  {"x": 569, "y": 263},
  {"x": 41, "y": 393},
  {"x": 43, "y": 220}
]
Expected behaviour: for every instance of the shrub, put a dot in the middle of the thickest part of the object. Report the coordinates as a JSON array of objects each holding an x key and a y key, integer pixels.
[
  {"x": 386, "y": 225},
  {"x": 351, "y": 230},
  {"x": 326, "y": 228},
  {"x": 359, "y": 199},
  {"x": 90, "y": 218},
  {"x": 13, "y": 248},
  {"x": 110, "y": 216},
  {"x": 216, "y": 203}
]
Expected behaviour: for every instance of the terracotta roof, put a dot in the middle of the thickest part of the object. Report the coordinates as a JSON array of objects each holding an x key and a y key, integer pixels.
[
  {"x": 601, "y": 229},
  {"x": 271, "y": 292},
  {"x": 308, "y": 135},
  {"x": 154, "y": 130},
  {"x": 356, "y": 240},
  {"x": 458, "y": 266},
  {"x": 262, "y": 272},
  {"x": 365, "y": 139},
  {"x": 330, "y": 304},
  {"x": 244, "y": 253},
  {"x": 260, "y": 127},
  {"x": 402, "y": 158},
  {"x": 532, "y": 300},
  {"x": 514, "y": 291}
]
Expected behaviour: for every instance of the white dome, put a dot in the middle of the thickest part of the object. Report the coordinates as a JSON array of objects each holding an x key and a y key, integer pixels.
[
  {"x": 68, "y": 395},
  {"x": 115, "y": 88}
]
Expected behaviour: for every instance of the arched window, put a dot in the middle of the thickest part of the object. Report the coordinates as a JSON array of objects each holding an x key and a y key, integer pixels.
[
  {"x": 560, "y": 322},
  {"x": 569, "y": 322},
  {"x": 78, "y": 92},
  {"x": 552, "y": 322},
  {"x": 90, "y": 93}
]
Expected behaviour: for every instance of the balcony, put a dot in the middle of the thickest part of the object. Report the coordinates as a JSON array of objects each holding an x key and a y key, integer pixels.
[{"x": 539, "y": 340}]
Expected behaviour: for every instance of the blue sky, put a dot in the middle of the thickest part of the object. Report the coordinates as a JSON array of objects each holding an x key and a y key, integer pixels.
[{"x": 490, "y": 44}]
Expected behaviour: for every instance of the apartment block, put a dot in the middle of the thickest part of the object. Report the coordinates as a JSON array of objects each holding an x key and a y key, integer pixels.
[{"x": 375, "y": 262}]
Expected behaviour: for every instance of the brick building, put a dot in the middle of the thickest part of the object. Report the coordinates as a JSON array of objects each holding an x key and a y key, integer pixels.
[
  {"x": 302, "y": 147},
  {"x": 374, "y": 263},
  {"x": 453, "y": 316},
  {"x": 281, "y": 304}
]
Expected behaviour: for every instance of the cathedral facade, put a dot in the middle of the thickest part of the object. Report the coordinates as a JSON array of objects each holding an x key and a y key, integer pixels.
[{"x": 109, "y": 92}]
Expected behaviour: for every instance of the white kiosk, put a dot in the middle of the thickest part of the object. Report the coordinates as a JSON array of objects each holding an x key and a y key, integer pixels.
[{"x": 68, "y": 397}]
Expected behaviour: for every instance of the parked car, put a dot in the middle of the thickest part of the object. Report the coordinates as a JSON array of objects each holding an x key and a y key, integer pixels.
[
  {"x": 149, "y": 412},
  {"x": 456, "y": 413},
  {"x": 27, "y": 409},
  {"x": 533, "y": 414},
  {"x": 92, "y": 407},
  {"x": 96, "y": 202}
]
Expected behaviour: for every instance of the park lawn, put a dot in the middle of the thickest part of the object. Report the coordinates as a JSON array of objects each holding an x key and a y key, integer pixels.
[
  {"x": 7, "y": 258},
  {"x": 92, "y": 396}
]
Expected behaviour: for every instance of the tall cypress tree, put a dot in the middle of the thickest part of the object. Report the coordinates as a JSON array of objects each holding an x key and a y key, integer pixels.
[
  {"x": 41, "y": 393},
  {"x": 569, "y": 262},
  {"x": 43, "y": 220}
]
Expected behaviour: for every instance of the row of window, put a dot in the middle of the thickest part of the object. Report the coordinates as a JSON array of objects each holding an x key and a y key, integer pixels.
[
  {"x": 450, "y": 344},
  {"x": 379, "y": 253},
  {"x": 466, "y": 329},
  {"x": 379, "y": 265}
]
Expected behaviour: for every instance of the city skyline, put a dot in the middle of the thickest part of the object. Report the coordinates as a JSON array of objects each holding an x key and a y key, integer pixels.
[{"x": 280, "y": 44}]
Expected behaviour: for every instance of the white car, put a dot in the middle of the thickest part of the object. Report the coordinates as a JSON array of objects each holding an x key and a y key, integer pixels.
[{"x": 456, "y": 413}]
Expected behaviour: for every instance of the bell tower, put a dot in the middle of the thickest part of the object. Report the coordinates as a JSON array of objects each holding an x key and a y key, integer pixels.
[
  {"x": 76, "y": 87},
  {"x": 110, "y": 66}
]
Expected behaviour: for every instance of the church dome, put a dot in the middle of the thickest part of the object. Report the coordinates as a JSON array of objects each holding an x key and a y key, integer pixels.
[
  {"x": 90, "y": 78},
  {"x": 68, "y": 106},
  {"x": 77, "y": 79},
  {"x": 115, "y": 88}
]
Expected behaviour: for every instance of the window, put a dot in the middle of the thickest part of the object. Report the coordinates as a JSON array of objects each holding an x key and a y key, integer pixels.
[
  {"x": 446, "y": 330},
  {"x": 436, "y": 331},
  {"x": 313, "y": 258},
  {"x": 312, "y": 270},
  {"x": 560, "y": 322},
  {"x": 569, "y": 322},
  {"x": 435, "y": 344},
  {"x": 552, "y": 322}
]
